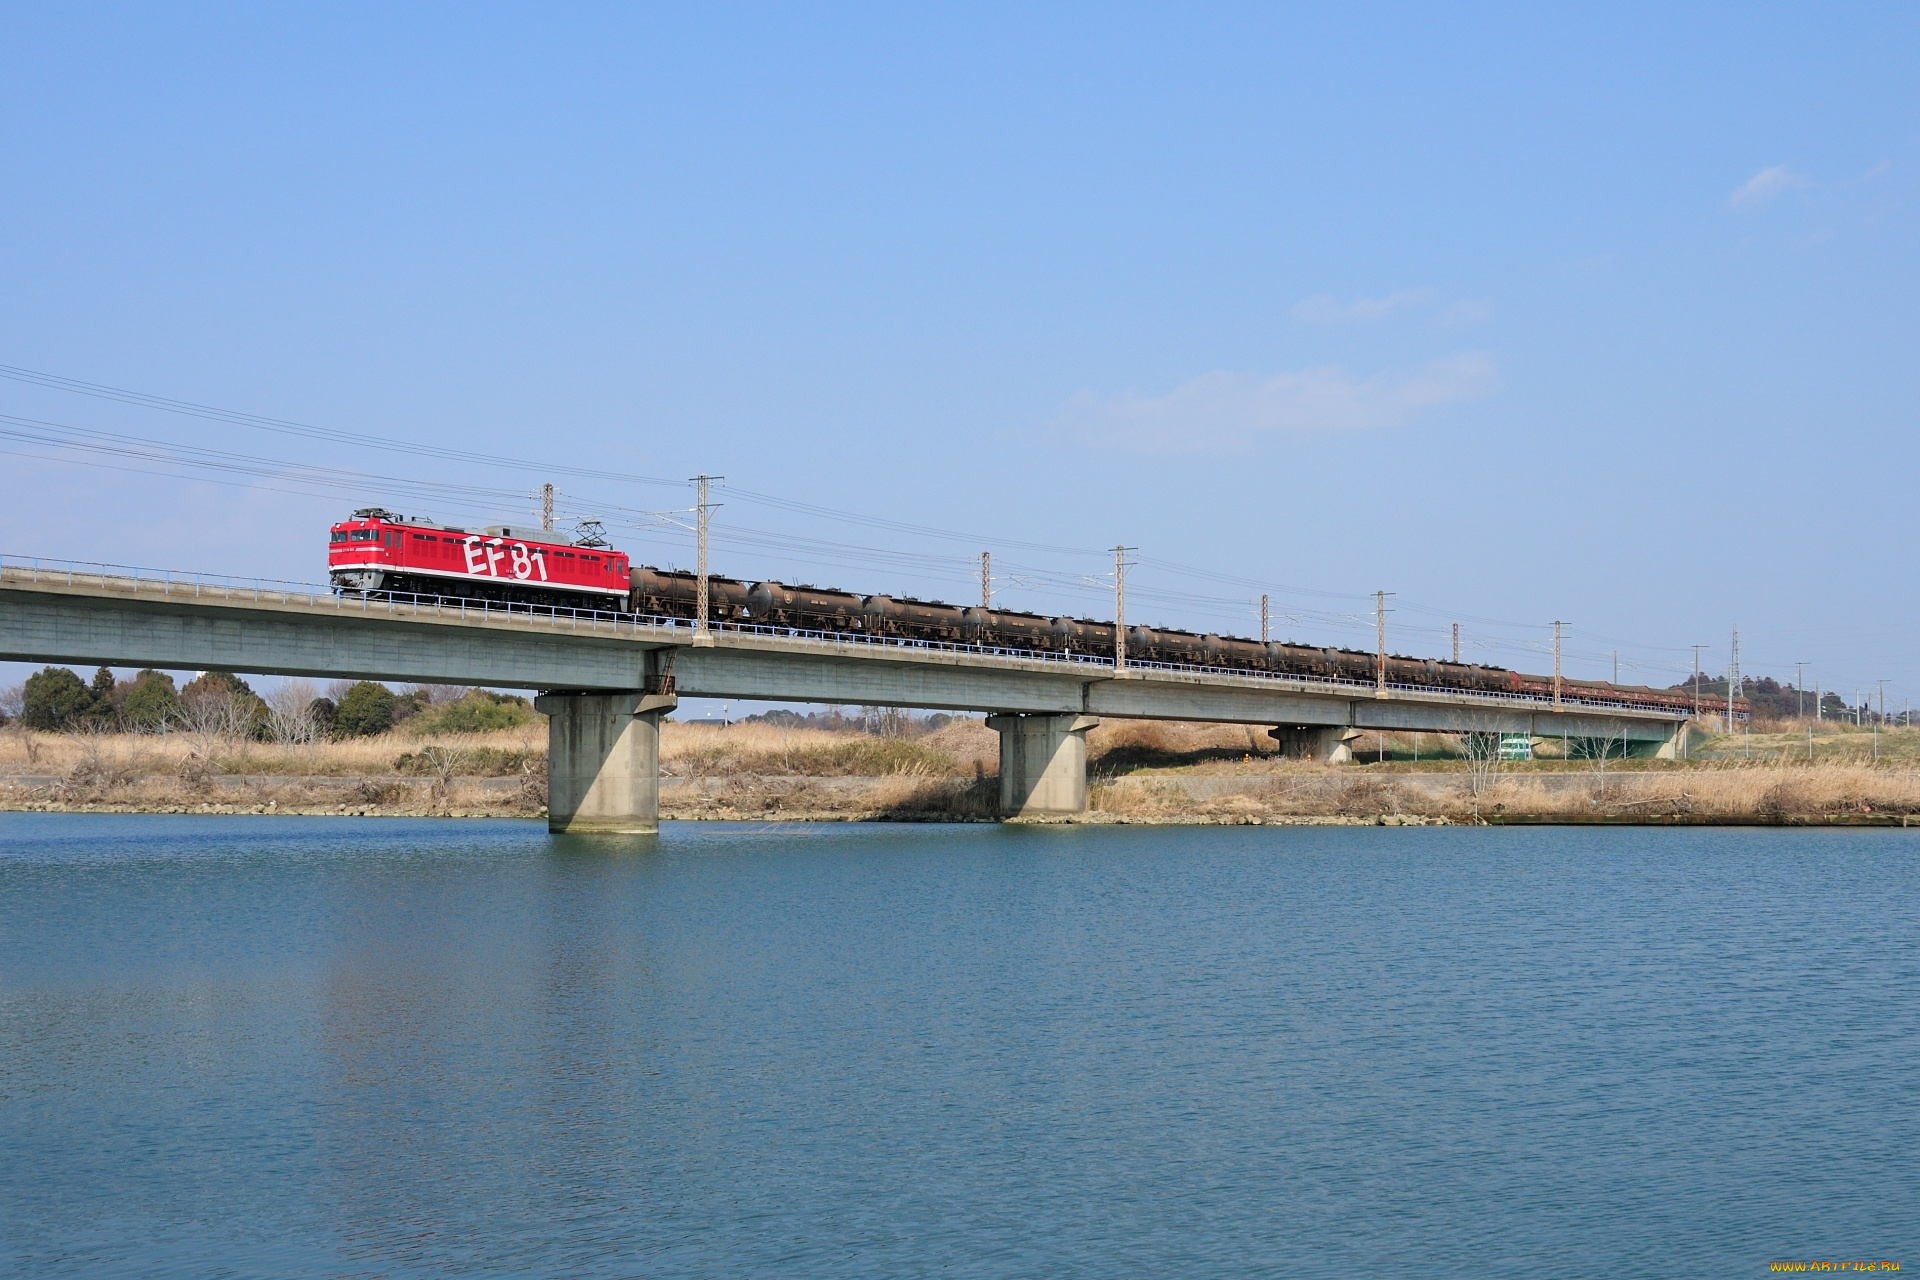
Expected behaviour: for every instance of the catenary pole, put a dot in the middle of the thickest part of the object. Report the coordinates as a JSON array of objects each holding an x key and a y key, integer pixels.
[
  {"x": 702, "y": 603},
  {"x": 1380, "y": 649},
  {"x": 1556, "y": 664},
  {"x": 1120, "y": 607},
  {"x": 1456, "y": 644},
  {"x": 986, "y": 579},
  {"x": 1733, "y": 677},
  {"x": 1696, "y": 680}
]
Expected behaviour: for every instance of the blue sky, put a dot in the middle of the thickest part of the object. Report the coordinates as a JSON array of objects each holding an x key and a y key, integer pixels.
[{"x": 1522, "y": 314}]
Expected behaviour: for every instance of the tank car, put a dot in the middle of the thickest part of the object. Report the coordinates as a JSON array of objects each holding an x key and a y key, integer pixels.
[{"x": 671, "y": 593}]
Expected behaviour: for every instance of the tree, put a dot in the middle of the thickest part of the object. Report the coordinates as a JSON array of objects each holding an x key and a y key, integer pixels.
[
  {"x": 242, "y": 709},
  {"x": 1481, "y": 751},
  {"x": 55, "y": 699},
  {"x": 324, "y": 715},
  {"x": 290, "y": 719},
  {"x": 103, "y": 685},
  {"x": 152, "y": 701},
  {"x": 365, "y": 710},
  {"x": 1596, "y": 752}
]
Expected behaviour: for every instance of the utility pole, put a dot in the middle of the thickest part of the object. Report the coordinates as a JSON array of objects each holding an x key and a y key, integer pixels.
[
  {"x": 1456, "y": 644},
  {"x": 1380, "y": 646},
  {"x": 1557, "y": 624},
  {"x": 1120, "y": 607},
  {"x": 1800, "y": 690},
  {"x": 701, "y": 632},
  {"x": 986, "y": 579},
  {"x": 1819, "y": 701},
  {"x": 1733, "y": 677},
  {"x": 1883, "y": 701},
  {"x": 1616, "y": 666},
  {"x": 1263, "y": 617},
  {"x": 546, "y": 507},
  {"x": 1696, "y": 680}
]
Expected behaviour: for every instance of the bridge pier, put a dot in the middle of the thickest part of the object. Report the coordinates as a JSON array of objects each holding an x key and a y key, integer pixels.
[
  {"x": 1675, "y": 747},
  {"x": 1331, "y": 744},
  {"x": 1043, "y": 764},
  {"x": 603, "y": 761}
]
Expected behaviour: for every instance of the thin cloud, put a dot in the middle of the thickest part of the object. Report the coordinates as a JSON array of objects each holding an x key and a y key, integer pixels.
[
  {"x": 1465, "y": 312},
  {"x": 1767, "y": 184},
  {"x": 1327, "y": 309},
  {"x": 1223, "y": 408}
]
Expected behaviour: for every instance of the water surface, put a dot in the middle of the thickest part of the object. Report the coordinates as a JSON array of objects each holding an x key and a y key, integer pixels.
[{"x": 278, "y": 1046}]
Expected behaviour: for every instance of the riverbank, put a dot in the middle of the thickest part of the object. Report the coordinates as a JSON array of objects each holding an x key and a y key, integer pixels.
[{"x": 1157, "y": 774}]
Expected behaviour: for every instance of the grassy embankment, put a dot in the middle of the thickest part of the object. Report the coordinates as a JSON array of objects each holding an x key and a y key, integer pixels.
[{"x": 1151, "y": 772}]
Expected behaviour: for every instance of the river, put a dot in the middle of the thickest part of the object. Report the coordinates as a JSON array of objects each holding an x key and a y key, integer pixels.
[{"x": 306, "y": 1047}]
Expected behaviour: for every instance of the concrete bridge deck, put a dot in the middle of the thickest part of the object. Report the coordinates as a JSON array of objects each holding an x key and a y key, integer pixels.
[{"x": 605, "y": 679}]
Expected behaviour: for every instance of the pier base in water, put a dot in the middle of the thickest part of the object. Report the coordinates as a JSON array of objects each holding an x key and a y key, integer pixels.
[
  {"x": 603, "y": 761},
  {"x": 1043, "y": 764}
]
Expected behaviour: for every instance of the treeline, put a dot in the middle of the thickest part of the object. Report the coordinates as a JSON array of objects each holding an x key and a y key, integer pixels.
[
  {"x": 1771, "y": 699},
  {"x": 57, "y": 700},
  {"x": 883, "y": 722}
]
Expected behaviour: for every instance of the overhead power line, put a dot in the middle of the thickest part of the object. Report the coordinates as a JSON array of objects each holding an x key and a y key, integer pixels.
[{"x": 124, "y": 452}]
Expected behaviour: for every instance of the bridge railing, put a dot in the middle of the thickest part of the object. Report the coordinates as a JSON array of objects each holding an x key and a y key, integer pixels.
[{"x": 173, "y": 582}]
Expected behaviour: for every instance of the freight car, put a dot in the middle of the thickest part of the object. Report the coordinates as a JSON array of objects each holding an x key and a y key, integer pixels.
[{"x": 672, "y": 594}]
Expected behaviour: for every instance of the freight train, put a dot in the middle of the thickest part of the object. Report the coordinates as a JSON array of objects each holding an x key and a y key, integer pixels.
[{"x": 380, "y": 553}]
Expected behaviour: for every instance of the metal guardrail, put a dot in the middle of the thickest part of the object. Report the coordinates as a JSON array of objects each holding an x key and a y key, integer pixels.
[{"x": 170, "y": 582}]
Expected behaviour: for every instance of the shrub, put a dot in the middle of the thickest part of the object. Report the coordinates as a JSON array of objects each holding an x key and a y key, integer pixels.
[
  {"x": 151, "y": 702},
  {"x": 57, "y": 699},
  {"x": 474, "y": 762},
  {"x": 325, "y": 716},
  {"x": 365, "y": 710},
  {"x": 479, "y": 712}
]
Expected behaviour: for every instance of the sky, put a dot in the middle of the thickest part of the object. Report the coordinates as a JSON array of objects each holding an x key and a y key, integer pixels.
[{"x": 1604, "y": 315}]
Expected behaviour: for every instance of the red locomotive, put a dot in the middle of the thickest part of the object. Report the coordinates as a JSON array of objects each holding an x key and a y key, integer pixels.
[{"x": 380, "y": 552}]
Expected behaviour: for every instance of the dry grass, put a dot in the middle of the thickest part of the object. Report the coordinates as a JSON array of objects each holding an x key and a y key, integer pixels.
[
  {"x": 1139, "y": 771},
  {"x": 61, "y": 754},
  {"x": 1712, "y": 792},
  {"x": 704, "y": 751}
]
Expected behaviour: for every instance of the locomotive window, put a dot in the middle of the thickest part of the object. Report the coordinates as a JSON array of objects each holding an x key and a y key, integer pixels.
[
  {"x": 338, "y": 535},
  {"x": 361, "y": 535}
]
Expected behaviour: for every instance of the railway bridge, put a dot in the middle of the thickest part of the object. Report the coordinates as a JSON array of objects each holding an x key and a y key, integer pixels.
[{"x": 606, "y": 679}]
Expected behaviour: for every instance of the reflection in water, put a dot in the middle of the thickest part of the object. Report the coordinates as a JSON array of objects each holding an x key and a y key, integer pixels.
[{"x": 410, "y": 1048}]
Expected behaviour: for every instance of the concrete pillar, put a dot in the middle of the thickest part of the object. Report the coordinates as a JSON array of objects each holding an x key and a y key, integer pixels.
[
  {"x": 1674, "y": 748},
  {"x": 1043, "y": 764},
  {"x": 603, "y": 761},
  {"x": 1331, "y": 744}
]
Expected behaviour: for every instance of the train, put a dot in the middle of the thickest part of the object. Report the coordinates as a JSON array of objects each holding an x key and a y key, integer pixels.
[{"x": 379, "y": 553}]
